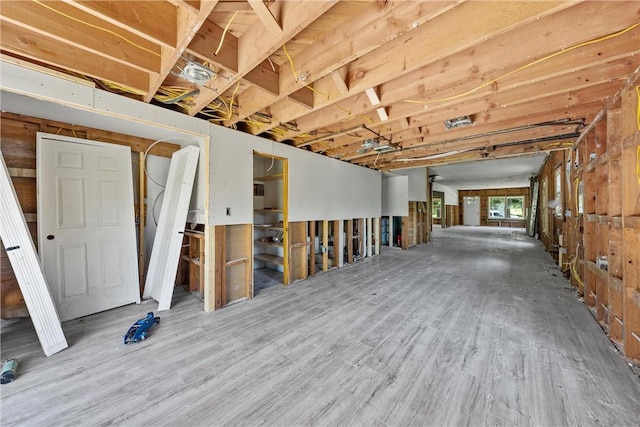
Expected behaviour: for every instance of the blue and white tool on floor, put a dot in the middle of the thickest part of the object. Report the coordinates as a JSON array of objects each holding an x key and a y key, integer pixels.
[{"x": 139, "y": 330}]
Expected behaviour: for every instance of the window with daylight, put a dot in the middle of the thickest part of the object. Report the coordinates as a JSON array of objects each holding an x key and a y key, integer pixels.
[
  {"x": 436, "y": 207},
  {"x": 496, "y": 207},
  {"x": 515, "y": 207},
  {"x": 506, "y": 207}
]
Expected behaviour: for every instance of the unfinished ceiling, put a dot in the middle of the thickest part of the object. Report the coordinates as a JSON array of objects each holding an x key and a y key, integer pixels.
[{"x": 368, "y": 82}]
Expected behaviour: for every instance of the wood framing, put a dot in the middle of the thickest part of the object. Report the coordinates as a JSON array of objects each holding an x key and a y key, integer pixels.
[{"x": 596, "y": 236}]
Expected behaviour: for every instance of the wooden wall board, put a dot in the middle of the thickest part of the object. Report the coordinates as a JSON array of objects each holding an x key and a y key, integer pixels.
[{"x": 298, "y": 251}]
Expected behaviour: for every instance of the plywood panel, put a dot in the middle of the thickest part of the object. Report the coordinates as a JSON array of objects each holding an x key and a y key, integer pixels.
[{"x": 298, "y": 250}]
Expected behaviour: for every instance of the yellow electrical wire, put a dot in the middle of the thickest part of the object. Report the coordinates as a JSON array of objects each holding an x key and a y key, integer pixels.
[
  {"x": 97, "y": 27},
  {"x": 324, "y": 94},
  {"x": 231, "y": 103},
  {"x": 121, "y": 88},
  {"x": 638, "y": 164},
  {"x": 342, "y": 108},
  {"x": 293, "y": 69},
  {"x": 553, "y": 55},
  {"x": 224, "y": 33},
  {"x": 638, "y": 100}
]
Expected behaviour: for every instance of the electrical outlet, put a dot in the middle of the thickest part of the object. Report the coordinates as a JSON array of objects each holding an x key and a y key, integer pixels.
[{"x": 228, "y": 211}]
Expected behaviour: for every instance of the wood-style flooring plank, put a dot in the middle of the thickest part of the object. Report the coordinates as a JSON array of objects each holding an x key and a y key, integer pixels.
[{"x": 477, "y": 327}]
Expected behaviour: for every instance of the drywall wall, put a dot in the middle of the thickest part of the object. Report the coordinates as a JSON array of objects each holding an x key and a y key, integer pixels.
[
  {"x": 395, "y": 195},
  {"x": 319, "y": 187},
  {"x": 450, "y": 194},
  {"x": 417, "y": 183},
  {"x": 51, "y": 110}
]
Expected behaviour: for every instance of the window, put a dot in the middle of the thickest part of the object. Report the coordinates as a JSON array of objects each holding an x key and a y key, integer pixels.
[
  {"x": 502, "y": 207},
  {"x": 515, "y": 207},
  {"x": 496, "y": 207},
  {"x": 436, "y": 206}
]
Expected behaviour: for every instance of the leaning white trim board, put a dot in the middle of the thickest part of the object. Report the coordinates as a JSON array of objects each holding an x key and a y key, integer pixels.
[
  {"x": 165, "y": 253},
  {"x": 26, "y": 266}
]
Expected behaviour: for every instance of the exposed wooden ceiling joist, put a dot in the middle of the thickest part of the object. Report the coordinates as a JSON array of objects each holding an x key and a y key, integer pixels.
[{"x": 318, "y": 74}]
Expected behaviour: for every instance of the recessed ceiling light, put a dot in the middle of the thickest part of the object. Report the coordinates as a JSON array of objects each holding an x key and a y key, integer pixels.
[
  {"x": 458, "y": 122},
  {"x": 196, "y": 73}
]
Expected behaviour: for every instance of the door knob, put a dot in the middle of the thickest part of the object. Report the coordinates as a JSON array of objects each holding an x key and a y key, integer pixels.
[{"x": 51, "y": 237}]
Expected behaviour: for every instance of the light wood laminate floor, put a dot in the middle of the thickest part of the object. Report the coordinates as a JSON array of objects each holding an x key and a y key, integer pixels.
[{"x": 476, "y": 328}]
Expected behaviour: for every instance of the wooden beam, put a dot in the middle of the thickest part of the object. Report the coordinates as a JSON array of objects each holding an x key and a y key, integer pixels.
[
  {"x": 265, "y": 16},
  {"x": 561, "y": 93},
  {"x": 206, "y": 40},
  {"x": 41, "y": 48},
  {"x": 577, "y": 69},
  {"x": 449, "y": 65},
  {"x": 256, "y": 44},
  {"x": 303, "y": 97},
  {"x": 366, "y": 72},
  {"x": 159, "y": 25},
  {"x": 613, "y": 100},
  {"x": 339, "y": 76},
  {"x": 61, "y": 22},
  {"x": 187, "y": 24},
  {"x": 358, "y": 37},
  {"x": 266, "y": 79}
]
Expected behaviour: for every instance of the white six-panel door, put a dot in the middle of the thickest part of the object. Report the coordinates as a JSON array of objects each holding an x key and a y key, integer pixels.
[
  {"x": 471, "y": 210},
  {"x": 165, "y": 254},
  {"x": 86, "y": 225}
]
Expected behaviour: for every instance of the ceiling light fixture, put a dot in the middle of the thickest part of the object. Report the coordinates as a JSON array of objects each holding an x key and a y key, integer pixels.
[
  {"x": 458, "y": 122},
  {"x": 196, "y": 73}
]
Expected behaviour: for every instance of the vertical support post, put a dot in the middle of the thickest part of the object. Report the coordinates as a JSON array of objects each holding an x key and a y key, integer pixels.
[
  {"x": 312, "y": 248},
  {"x": 248, "y": 266},
  {"x": 370, "y": 237},
  {"x": 338, "y": 232},
  {"x": 350, "y": 241},
  {"x": 325, "y": 245},
  {"x": 376, "y": 231}
]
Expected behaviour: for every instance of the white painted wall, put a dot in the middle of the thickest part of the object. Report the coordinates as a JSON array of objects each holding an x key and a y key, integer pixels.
[
  {"x": 417, "y": 183},
  {"x": 450, "y": 194},
  {"x": 319, "y": 187},
  {"x": 395, "y": 195}
]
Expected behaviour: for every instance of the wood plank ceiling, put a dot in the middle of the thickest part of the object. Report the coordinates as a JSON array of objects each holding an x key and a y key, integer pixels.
[{"x": 368, "y": 82}]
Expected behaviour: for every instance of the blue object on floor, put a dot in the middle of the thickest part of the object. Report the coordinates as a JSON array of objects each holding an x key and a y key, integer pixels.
[{"x": 138, "y": 331}]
